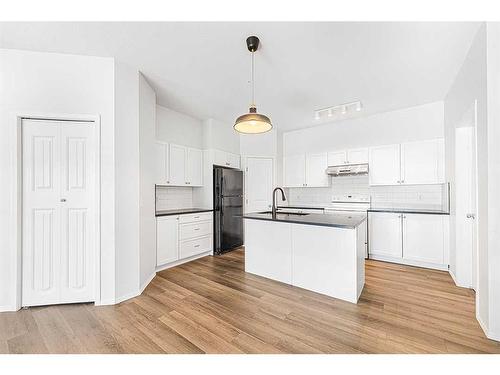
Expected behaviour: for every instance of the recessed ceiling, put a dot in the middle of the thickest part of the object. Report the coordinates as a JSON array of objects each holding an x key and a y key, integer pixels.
[{"x": 202, "y": 69}]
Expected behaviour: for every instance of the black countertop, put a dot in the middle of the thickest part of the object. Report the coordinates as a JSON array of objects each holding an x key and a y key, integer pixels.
[
  {"x": 409, "y": 211},
  {"x": 337, "y": 220},
  {"x": 182, "y": 211}
]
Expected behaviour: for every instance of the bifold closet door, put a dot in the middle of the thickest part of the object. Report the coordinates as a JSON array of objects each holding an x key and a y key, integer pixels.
[{"x": 59, "y": 218}]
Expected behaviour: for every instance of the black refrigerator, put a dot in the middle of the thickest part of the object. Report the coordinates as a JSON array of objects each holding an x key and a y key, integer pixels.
[{"x": 228, "y": 209}]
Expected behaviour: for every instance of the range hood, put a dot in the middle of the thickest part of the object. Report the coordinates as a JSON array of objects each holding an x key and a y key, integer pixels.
[{"x": 347, "y": 170}]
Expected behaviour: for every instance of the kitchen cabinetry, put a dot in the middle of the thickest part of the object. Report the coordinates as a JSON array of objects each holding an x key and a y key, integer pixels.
[
  {"x": 294, "y": 170},
  {"x": 178, "y": 165},
  {"x": 351, "y": 156},
  {"x": 414, "y": 239},
  {"x": 227, "y": 159},
  {"x": 305, "y": 170},
  {"x": 167, "y": 242},
  {"x": 161, "y": 159},
  {"x": 385, "y": 165},
  {"x": 410, "y": 163},
  {"x": 182, "y": 237}
]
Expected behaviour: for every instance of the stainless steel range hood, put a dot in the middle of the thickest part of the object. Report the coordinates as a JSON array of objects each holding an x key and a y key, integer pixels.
[{"x": 347, "y": 170}]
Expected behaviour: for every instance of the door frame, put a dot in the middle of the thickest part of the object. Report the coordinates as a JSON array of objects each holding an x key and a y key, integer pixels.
[
  {"x": 16, "y": 195},
  {"x": 244, "y": 165}
]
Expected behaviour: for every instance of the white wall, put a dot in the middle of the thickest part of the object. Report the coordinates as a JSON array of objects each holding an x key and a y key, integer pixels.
[
  {"x": 127, "y": 180},
  {"x": 178, "y": 128},
  {"x": 218, "y": 135},
  {"x": 147, "y": 225},
  {"x": 259, "y": 144},
  {"x": 49, "y": 83},
  {"x": 470, "y": 85},
  {"x": 409, "y": 124},
  {"x": 493, "y": 79}
]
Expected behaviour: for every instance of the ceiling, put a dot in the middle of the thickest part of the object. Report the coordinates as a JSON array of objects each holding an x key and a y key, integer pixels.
[{"x": 203, "y": 68}]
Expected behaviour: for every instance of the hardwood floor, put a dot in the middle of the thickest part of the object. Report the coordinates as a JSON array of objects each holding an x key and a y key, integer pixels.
[{"x": 212, "y": 306}]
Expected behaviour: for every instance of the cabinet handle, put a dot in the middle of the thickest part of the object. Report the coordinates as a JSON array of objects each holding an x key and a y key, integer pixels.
[
  {"x": 196, "y": 217},
  {"x": 196, "y": 228},
  {"x": 168, "y": 182},
  {"x": 196, "y": 245}
]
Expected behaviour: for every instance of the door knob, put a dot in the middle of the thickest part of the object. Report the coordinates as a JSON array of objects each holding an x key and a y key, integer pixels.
[{"x": 470, "y": 216}]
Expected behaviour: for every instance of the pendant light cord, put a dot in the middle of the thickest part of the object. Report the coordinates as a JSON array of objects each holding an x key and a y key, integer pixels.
[{"x": 253, "y": 81}]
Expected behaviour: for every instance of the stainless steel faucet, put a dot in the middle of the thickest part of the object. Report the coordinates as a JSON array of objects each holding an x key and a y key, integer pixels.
[{"x": 283, "y": 198}]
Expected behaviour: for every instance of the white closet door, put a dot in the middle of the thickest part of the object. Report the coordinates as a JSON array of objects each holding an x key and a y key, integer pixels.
[
  {"x": 41, "y": 213},
  {"x": 58, "y": 212},
  {"x": 78, "y": 183},
  {"x": 258, "y": 184}
]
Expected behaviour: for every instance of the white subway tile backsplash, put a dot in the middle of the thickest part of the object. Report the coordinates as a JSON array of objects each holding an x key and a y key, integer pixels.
[{"x": 171, "y": 198}]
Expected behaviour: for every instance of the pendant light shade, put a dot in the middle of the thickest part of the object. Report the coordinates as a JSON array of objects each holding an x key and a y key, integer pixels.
[{"x": 252, "y": 122}]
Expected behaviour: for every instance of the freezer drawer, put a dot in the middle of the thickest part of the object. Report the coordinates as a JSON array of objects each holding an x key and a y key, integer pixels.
[
  {"x": 198, "y": 229},
  {"x": 197, "y": 246}
]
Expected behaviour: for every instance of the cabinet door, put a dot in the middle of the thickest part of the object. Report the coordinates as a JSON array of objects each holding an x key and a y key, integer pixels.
[
  {"x": 167, "y": 239},
  {"x": 423, "y": 238},
  {"x": 221, "y": 158},
  {"x": 420, "y": 162},
  {"x": 161, "y": 163},
  {"x": 337, "y": 158},
  {"x": 384, "y": 165},
  {"x": 177, "y": 165},
  {"x": 316, "y": 165},
  {"x": 294, "y": 170},
  {"x": 385, "y": 234},
  {"x": 357, "y": 156},
  {"x": 194, "y": 167},
  {"x": 234, "y": 160}
]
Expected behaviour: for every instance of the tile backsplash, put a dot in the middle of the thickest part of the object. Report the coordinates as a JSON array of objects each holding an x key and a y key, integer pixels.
[
  {"x": 408, "y": 196},
  {"x": 172, "y": 198}
]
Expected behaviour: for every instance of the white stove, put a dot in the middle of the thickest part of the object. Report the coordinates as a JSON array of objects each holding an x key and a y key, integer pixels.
[{"x": 354, "y": 202}]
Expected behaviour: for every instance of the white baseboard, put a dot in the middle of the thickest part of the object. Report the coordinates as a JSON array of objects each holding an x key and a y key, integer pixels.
[
  {"x": 126, "y": 297},
  {"x": 414, "y": 263},
  {"x": 8, "y": 308},
  {"x": 453, "y": 276},
  {"x": 146, "y": 283},
  {"x": 182, "y": 261}
]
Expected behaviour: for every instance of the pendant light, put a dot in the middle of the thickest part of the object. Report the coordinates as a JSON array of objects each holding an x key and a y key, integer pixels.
[{"x": 253, "y": 122}]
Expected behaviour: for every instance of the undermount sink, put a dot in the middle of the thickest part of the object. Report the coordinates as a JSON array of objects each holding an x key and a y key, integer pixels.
[{"x": 286, "y": 213}]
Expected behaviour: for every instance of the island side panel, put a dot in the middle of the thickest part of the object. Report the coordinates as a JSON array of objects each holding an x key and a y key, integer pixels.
[
  {"x": 361, "y": 244},
  {"x": 324, "y": 260},
  {"x": 268, "y": 249}
]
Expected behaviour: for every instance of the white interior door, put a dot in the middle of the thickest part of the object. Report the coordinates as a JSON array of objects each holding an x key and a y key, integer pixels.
[
  {"x": 258, "y": 184},
  {"x": 464, "y": 264},
  {"x": 59, "y": 215}
]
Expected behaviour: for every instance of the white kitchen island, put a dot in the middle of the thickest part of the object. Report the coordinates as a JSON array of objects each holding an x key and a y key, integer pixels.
[{"x": 324, "y": 253}]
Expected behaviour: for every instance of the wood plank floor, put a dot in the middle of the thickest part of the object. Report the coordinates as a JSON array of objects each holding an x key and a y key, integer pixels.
[{"x": 212, "y": 306}]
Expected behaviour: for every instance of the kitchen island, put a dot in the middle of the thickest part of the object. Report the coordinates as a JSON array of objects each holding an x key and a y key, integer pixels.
[{"x": 324, "y": 253}]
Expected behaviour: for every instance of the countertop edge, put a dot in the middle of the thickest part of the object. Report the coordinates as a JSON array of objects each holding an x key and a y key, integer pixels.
[
  {"x": 408, "y": 211},
  {"x": 291, "y": 221},
  {"x": 184, "y": 212}
]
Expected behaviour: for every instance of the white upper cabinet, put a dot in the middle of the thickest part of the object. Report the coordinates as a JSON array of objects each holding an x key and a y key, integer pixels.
[
  {"x": 385, "y": 165},
  {"x": 194, "y": 164},
  {"x": 420, "y": 162},
  {"x": 294, "y": 170},
  {"x": 316, "y": 165},
  {"x": 227, "y": 159},
  {"x": 337, "y": 158},
  {"x": 357, "y": 156},
  {"x": 161, "y": 159},
  {"x": 177, "y": 165},
  {"x": 423, "y": 238}
]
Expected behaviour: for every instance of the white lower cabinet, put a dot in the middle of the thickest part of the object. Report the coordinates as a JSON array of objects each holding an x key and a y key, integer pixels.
[
  {"x": 414, "y": 239},
  {"x": 181, "y": 237},
  {"x": 167, "y": 239}
]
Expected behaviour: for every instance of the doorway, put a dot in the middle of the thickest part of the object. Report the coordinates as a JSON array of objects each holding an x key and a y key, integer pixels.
[
  {"x": 466, "y": 201},
  {"x": 59, "y": 211}
]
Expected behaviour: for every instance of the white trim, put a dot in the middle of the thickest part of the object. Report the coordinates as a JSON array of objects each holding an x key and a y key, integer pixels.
[
  {"x": 453, "y": 276},
  {"x": 125, "y": 297},
  {"x": 17, "y": 194},
  {"x": 146, "y": 283},
  {"x": 182, "y": 261},
  {"x": 439, "y": 267}
]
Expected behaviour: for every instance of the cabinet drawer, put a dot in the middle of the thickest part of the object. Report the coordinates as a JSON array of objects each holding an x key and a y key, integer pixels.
[
  {"x": 199, "y": 229},
  {"x": 197, "y": 246},
  {"x": 193, "y": 218}
]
